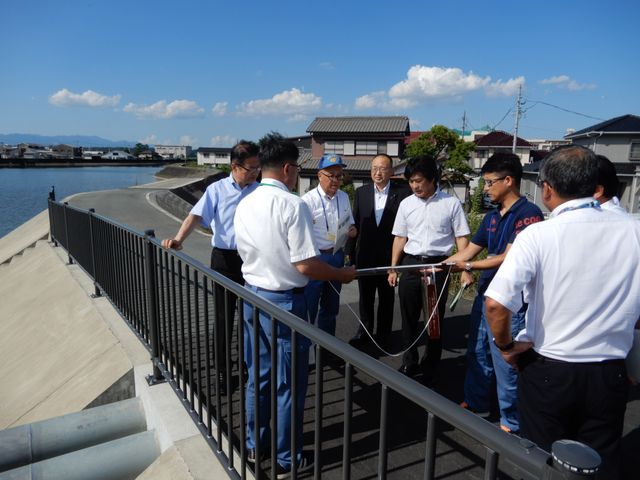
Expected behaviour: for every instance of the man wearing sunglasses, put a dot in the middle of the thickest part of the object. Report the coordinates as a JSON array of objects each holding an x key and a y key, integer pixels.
[
  {"x": 215, "y": 210},
  {"x": 332, "y": 218},
  {"x": 501, "y": 174}
]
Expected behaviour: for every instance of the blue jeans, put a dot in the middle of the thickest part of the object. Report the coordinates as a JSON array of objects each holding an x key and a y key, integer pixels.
[
  {"x": 484, "y": 361},
  {"x": 294, "y": 303},
  {"x": 321, "y": 293}
]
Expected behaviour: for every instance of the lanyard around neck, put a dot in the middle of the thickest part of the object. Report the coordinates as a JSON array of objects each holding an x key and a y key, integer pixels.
[
  {"x": 324, "y": 210},
  {"x": 592, "y": 204}
]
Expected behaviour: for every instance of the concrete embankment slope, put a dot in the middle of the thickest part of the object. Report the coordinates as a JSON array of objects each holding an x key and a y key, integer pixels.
[
  {"x": 62, "y": 351},
  {"x": 56, "y": 354}
]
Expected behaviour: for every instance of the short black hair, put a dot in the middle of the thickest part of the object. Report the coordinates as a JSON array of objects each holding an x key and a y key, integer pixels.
[
  {"x": 504, "y": 163},
  {"x": 572, "y": 171},
  {"x": 276, "y": 150},
  {"x": 242, "y": 150},
  {"x": 607, "y": 176},
  {"x": 425, "y": 165}
]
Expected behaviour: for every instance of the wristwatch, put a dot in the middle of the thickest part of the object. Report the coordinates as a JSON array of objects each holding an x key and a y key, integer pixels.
[
  {"x": 468, "y": 267},
  {"x": 504, "y": 348}
]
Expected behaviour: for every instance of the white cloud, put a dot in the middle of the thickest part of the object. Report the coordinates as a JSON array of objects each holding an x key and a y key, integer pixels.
[
  {"x": 290, "y": 103},
  {"x": 66, "y": 98},
  {"x": 220, "y": 109},
  {"x": 423, "y": 84},
  {"x": 414, "y": 123},
  {"x": 223, "y": 141},
  {"x": 566, "y": 82},
  {"x": 162, "y": 109},
  {"x": 505, "y": 89},
  {"x": 370, "y": 100},
  {"x": 327, "y": 66},
  {"x": 149, "y": 139},
  {"x": 188, "y": 140}
]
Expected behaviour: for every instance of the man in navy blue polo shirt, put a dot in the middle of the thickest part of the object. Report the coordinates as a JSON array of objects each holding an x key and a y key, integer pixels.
[{"x": 502, "y": 174}]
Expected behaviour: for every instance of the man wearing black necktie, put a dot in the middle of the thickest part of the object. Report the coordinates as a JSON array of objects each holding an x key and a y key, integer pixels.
[{"x": 374, "y": 212}]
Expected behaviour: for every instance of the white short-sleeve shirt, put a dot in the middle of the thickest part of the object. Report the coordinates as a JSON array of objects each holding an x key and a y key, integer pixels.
[
  {"x": 430, "y": 225},
  {"x": 273, "y": 231},
  {"x": 327, "y": 213},
  {"x": 580, "y": 271}
]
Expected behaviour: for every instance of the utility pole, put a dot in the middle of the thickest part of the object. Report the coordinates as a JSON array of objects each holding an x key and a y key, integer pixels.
[
  {"x": 518, "y": 113},
  {"x": 464, "y": 124}
]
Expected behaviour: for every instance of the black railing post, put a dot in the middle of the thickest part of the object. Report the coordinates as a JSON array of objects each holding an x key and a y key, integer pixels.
[
  {"x": 66, "y": 232},
  {"x": 152, "y": 307},
  {"x": 96, "y": 290}
]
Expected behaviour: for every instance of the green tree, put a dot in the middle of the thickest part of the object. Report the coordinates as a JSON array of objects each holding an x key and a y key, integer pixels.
[
  {"x": 441, "y": 142},
  {"x": 139, "y": 148}
]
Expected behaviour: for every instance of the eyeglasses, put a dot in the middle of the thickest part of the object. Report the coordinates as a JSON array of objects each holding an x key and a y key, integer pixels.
[
  {"x": 380, "y": 169},
  {"x": 337, "y": 177},
  {"x": 489, "y": 182},
  {"x": 298, "y": 167},
  {"x": 248, "y": 169},
  {"x": 540, "y": 181}
]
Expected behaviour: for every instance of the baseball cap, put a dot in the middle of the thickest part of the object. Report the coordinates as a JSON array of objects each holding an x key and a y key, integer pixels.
[{"x": 330, "y": 161}]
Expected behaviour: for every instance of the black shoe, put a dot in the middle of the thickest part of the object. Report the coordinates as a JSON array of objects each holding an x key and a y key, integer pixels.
[
  {"x": 411, "y": 370},
  {"x": 305, "y": 464},
  {"x": 359, "y": 340}
]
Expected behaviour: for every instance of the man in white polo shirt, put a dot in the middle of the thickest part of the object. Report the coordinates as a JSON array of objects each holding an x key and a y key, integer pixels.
[
  {"x": 274, "y": 233},
  {"x": 428, "y": 225},
  {"x": 582, "y": 311}
]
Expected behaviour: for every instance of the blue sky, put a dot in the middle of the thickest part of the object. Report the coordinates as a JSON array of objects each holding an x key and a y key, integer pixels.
[{"x": 206, "y": 73}]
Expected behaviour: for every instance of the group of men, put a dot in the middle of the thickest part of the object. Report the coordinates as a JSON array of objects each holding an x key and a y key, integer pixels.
[{"x": 291, "y": 251}]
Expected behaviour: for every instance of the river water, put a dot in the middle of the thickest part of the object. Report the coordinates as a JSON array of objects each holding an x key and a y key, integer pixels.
[{"x": 24, "y": 191}]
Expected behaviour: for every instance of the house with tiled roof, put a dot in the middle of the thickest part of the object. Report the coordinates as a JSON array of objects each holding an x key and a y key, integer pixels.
[
  {"x": 499, "y": 141},
  {"x": 357, "y": 140},
  {"x": 618, "y": 139}
]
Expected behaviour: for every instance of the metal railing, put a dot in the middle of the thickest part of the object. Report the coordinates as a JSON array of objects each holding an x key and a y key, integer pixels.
[{"x": 168, "y": 300}]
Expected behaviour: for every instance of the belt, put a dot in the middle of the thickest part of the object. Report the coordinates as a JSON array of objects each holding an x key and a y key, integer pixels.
[
  {"x": 427, "y": 258},
  {"x": 326, "y": 251},
  {"x": 226, "y": 251},
  {"x": 294, "y": 290},
  {"x": 543, "y": 359}
]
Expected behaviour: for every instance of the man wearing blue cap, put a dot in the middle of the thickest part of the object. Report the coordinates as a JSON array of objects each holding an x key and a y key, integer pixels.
[{"x": 332, "y": 224}]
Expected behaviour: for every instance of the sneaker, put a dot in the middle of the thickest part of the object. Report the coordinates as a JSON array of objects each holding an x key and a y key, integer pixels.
[
  {"x": 305, "y": 464},
  {"x": 251, "y": 456},
  {"x": 480, "y": 413}
]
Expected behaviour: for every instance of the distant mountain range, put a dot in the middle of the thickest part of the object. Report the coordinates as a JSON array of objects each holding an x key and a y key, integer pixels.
[{"x": 74, "y": 140}]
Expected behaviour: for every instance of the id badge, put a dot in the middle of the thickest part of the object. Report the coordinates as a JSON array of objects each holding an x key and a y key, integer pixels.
[{"x": 331, "y": 237}]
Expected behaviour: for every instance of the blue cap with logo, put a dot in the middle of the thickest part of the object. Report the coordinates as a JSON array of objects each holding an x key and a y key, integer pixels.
[{"x": 331, "y": 161}]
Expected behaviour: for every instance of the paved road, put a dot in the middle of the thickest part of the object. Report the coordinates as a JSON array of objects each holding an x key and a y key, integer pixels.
[{"x": 458, "y": 455}]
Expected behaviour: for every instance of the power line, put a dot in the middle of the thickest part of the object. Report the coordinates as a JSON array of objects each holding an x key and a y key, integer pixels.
[
  {"x": 502, "y": 119},
  {"x": 565, "y": 110}
]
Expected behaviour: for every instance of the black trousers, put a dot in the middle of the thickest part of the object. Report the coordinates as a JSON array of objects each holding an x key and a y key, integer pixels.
[
  {"x": 410, "y": 295},
  {"x": 229, "y": 264},
  {"x": 368, "y": 287},
  {"x": 585, "y": 402}
]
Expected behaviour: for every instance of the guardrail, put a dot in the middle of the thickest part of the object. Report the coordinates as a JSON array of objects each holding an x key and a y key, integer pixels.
[{"x": 168, "y": 300}]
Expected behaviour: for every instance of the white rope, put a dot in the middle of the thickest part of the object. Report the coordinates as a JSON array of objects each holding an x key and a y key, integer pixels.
[{"x": 426, "y": 326}]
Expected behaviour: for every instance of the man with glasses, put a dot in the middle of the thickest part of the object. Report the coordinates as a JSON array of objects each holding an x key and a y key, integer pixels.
[
  {"x": 502, "y": 175},
  {"x": 374, "y": 212},
  {"x": 580, "y": 271},
  {"x": 275, "y": 239},
  {"x": 332, "y": 219},
  {"x": 215, "y": 210}
]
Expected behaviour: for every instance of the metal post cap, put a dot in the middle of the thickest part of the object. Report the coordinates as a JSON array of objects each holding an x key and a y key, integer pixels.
[{"x": 575, "y": 457}]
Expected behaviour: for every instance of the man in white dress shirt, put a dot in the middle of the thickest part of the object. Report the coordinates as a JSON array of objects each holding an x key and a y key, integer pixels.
[
  {"x": 274, "y": 233},
  {"x": 331, "y": 211},
  {"x": 428, "y": 225},
  {"x": 580, "y": 272},
  {"x": 608, "y": 185}
]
